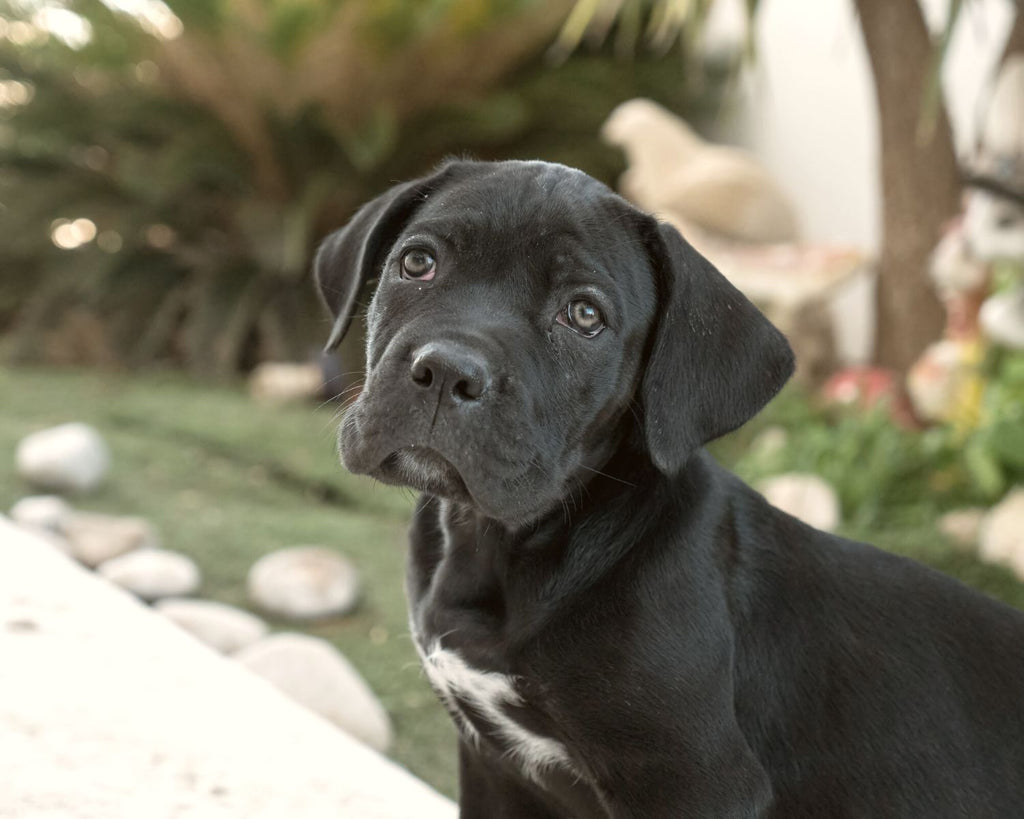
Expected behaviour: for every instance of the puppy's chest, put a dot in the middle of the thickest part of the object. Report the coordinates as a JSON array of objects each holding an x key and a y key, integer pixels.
[
  {"x": 460, "y": 633},
  {"x": 492, "y": 709}
]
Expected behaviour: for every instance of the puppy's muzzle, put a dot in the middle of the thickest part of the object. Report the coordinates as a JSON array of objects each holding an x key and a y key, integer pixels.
[{"x": 457, "y": 376}]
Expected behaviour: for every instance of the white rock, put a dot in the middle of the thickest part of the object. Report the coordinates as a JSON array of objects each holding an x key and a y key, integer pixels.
[
  {"x": 769, "y": 442},
  {"x": 153, "y": 573},
  {"x": 96, "y": 538},
  {"x": 66, "y": 458},
  {"x": 804, "y": 496},
  {"x": 222, "y": 627},
  {"x": 280, "y": 382},
  {"x": 1002, "y": 533},
  {"x": 304, "y": 582},
  {"x": 41, "y": 512},
  {"x": 963, "y": 527},
  {"x": 312, "y": 672}
]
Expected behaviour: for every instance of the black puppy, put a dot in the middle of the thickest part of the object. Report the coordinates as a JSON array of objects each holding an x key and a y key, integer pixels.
[{"x": 619, "y": 627}]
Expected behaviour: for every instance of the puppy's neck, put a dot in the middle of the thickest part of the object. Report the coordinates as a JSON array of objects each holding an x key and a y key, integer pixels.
[
  {"x": 482, "y": 582},
  {"x": 555, "y": 553}
]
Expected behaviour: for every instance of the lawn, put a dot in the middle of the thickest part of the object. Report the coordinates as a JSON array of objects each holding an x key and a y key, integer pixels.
[{"x": 226, "y": 481}]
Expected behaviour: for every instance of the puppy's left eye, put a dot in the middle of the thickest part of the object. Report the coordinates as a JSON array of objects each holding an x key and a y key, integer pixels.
[
  {"x": 583, "y": 317},
  {"x": 418, "y": 264}
]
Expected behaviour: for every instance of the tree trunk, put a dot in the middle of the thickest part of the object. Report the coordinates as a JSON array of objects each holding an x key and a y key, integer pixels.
[{"x": 920, "y": 180}]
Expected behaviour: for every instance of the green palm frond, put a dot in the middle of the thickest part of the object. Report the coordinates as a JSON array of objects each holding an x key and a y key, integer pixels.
[{"x": 216, "y": 139}]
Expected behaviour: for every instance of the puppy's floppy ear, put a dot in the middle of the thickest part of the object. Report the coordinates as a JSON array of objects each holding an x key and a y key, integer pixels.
[
  {"x": 349, "y": 257},
  {"x": 715, "y": 360}
]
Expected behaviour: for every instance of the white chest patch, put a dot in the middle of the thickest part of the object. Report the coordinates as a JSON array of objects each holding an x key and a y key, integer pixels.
[{"x": 488, "y": 693}]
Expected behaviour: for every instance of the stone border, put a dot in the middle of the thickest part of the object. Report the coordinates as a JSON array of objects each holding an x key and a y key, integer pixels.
[{"x": 109, "y": 710}]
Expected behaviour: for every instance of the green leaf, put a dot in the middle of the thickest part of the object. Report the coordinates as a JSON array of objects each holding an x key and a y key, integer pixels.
[
  {"x": 984, "y": 469},
  {"x": 1006, "y": 441}
]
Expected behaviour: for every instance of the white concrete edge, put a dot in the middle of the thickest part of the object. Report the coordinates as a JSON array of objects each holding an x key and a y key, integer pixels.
[{"x": 109, "y": 710}]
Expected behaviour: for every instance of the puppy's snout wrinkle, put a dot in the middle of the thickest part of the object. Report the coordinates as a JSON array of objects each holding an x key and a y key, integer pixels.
[{"x": 455, "y": 372}]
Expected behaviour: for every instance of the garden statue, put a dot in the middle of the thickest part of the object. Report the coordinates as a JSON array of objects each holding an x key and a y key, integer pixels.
[
  {"x": 997, "y": 220},
  {"x": 717, "y": 189},
  {"x": 732, "y": 211},
  {"x": 977, "y": 268},
  {"x": 994, "y": 217},
  {"x": 945, "y": 383}
]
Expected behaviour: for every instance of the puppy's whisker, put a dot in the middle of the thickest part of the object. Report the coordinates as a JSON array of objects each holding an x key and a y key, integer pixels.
[
  {"x": 348, "y": 374},
  {"x": 328, "y": 401},
  {"x": 606, "y": 475},
  {"x": 341, "y": 395},
  {"x": 633, "y": 408}
]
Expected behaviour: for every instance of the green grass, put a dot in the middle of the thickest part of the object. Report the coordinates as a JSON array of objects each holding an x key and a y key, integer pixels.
[
  {"x": 892, "y": 484},
  {"x": 227, "y": 481}
]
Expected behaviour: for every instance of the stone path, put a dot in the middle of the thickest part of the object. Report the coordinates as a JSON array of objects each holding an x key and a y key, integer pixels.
[{"x": 109, "y": 711}]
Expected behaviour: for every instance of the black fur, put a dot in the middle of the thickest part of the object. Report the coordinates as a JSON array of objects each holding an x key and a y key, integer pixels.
[{"x": 697, "y": 652}]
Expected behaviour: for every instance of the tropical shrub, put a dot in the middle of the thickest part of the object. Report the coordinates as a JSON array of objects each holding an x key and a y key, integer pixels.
[{"x": 167, "y": 167}]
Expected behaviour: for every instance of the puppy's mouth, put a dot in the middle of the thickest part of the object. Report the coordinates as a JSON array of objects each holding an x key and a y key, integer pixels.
[{"x": 425, "y": 469}]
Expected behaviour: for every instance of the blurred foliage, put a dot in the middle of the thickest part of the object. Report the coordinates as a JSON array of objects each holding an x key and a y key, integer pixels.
[
  {"x": 888, "y": 477},
  {"x": 210, "y": 144},
  {"x": 994, "y": 450}
]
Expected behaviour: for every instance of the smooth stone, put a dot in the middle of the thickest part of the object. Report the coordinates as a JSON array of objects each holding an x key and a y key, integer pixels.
[
  {"x": 66, "y": 458},
  {"x": 769, "y": 442},
  {"x": 313, "y": 673},
  {"x": 96, "y": 538},
  {"x": 41, "y": 512},
  {"x": 962, "y": 527},
  {"x": 304, "y": 583},
  {"x": 1002, "y": 533},
  {"x": 278, "y": 382},
  {"x": 807, "y": 497},
  {"x": 153, "y": 573},
  {"x": 222, "y": 627}
]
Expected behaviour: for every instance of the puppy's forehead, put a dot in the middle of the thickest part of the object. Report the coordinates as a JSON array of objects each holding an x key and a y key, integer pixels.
[{"x": 522, "y": 203}]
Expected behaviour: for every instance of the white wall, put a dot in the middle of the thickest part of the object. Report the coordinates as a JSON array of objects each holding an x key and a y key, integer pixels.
[{"x": 807, "y": 107}]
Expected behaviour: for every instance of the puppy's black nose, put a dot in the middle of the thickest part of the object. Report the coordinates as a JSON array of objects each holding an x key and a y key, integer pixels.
[{"x": 456, "y": 370}]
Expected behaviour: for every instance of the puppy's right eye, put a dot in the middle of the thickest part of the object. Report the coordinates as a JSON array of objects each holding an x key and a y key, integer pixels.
[
  {"x": 418, "y": 264},
  {"x": 582, "y": 317}
]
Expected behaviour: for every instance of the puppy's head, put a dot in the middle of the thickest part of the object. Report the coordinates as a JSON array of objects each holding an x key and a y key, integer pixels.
[{"x": 526, "y": 318}]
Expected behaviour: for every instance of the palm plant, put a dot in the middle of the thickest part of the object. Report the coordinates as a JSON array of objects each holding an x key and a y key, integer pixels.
[{"x": 202, "y": 147}]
